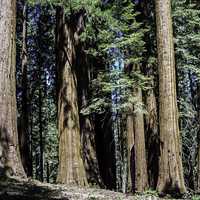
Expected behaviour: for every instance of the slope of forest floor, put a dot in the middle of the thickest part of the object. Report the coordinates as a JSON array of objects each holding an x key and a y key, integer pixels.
[{"x": 15, "y": 189}]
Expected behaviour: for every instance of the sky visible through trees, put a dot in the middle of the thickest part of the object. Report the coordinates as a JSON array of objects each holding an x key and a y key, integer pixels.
[{"x": 101, "y": 94}]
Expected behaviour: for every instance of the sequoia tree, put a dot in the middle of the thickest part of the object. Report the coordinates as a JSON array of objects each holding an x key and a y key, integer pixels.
[
  {"x": 10, "y": 161},
  {"x": 86, "y": 121},
  {"x": 170, "y": 179},
  {"x": 136, "y": 145},
  {"x": 71, "y": 169}
]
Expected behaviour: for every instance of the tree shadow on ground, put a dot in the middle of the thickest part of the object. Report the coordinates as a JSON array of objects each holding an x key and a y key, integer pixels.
[{"x": 26, "y": 190}]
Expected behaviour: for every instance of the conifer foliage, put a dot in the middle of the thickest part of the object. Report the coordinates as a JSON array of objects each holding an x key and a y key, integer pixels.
[{"x": 106, "y": 93}]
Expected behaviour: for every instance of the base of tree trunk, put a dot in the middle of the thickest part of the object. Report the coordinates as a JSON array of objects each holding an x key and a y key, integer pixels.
[{"x": 15, "y": 189}]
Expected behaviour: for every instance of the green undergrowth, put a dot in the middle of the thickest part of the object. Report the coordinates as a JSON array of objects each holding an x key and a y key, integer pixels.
[
  {"x": 196, "y": 197},
  {"x": 151, "y": 192}
]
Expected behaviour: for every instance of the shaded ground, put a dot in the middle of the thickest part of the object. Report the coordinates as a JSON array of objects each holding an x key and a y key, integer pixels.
[{"x": 33, "y": 190}]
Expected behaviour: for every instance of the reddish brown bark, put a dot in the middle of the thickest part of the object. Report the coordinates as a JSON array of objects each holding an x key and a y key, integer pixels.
[
  {"x": 71, "y": 170},
  {"x": 10, "y": 161},
  {"x": 170, "y": 179},
  {"x": 136, "y": 145}
]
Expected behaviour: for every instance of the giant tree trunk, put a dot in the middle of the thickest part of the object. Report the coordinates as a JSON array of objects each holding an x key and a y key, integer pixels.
[
  {"x": 24, "y": 140},
  {"x": 71, "y": 169},
  {"x": 10, "y": 161},
  {"x": 89, "y": 148},
  {"x": 136, "y": 146},
  {"x": 83, "y": 72},
  {"x": 170, "y": 178}
]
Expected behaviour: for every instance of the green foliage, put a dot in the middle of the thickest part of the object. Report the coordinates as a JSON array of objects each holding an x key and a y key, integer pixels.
[
  {"x": 113, "y": 26},
  {"x": 116, "y": 80},
  {"x": 131, "y": 41},
  {"x": 187, "y": 32},
  {"x": 151, "y": 192},
  {"x": 108, "y": 26},
  {"x": 186, "y": 19},
  {"x": 99, "y": 23},
  {"x": 117, "y": 30},
  {"x": 51, "y": 141},
  {"x": 41, "y": 77},
  {"x": 196, "y": 197}
]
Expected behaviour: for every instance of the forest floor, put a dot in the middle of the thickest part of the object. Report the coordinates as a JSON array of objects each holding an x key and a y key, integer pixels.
[{"x": 15, "y": 189}]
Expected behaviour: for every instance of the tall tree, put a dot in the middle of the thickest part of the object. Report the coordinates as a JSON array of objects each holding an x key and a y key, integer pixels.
[
  {"x": 186, "y": 32},
  {"x": 170, "y": 178},
  {"x": 149, "y": 69},
  {"x": 71, "y": 169},
  {"x": 141, "y": 177},
  {"x": 136, "y": 145},
  {"x": 151, "y": 120},
  {"x": 86, "y": 121},
  {"x": 10, "y": 160}
]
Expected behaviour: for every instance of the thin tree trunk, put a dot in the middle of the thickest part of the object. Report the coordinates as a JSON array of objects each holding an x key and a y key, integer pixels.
[
  {"x": 125, "y": 158},
  {"x": 42, "y": 89},
  {"x": 71, "y": 170},
  {"x": 30, "y": 138},
  {"x": 10, "y": 161},
  {"x": 41, "y": 162},
  {"x": 198, "y": 164},
  {"x": 170, "y": 178},
  {"x": 118, "y": 146},
  {"x": 131, "y": 143},
  {"x": 24, "y": 141},
  {"x": 48, "y": 172},
  {"x": 198, "y": 139},
  {"x": 151, "y": 119},
  {"x": 152, "y": 134},
  {"x": 141, "y": 176}
]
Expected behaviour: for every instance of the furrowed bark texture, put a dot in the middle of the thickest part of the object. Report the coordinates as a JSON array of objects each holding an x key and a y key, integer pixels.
[
  {"x": 136, "y": 147},
  {"x": 131, "y": 150},
  {"x": 141, "y": 176},
  {"x": 71, "y": 169},
  {"x": 83, "y": 72},
  {"x": 89, "y": 151},
  {"x": 10, "y": 161},
  {"x": 170, "y": 178}
]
